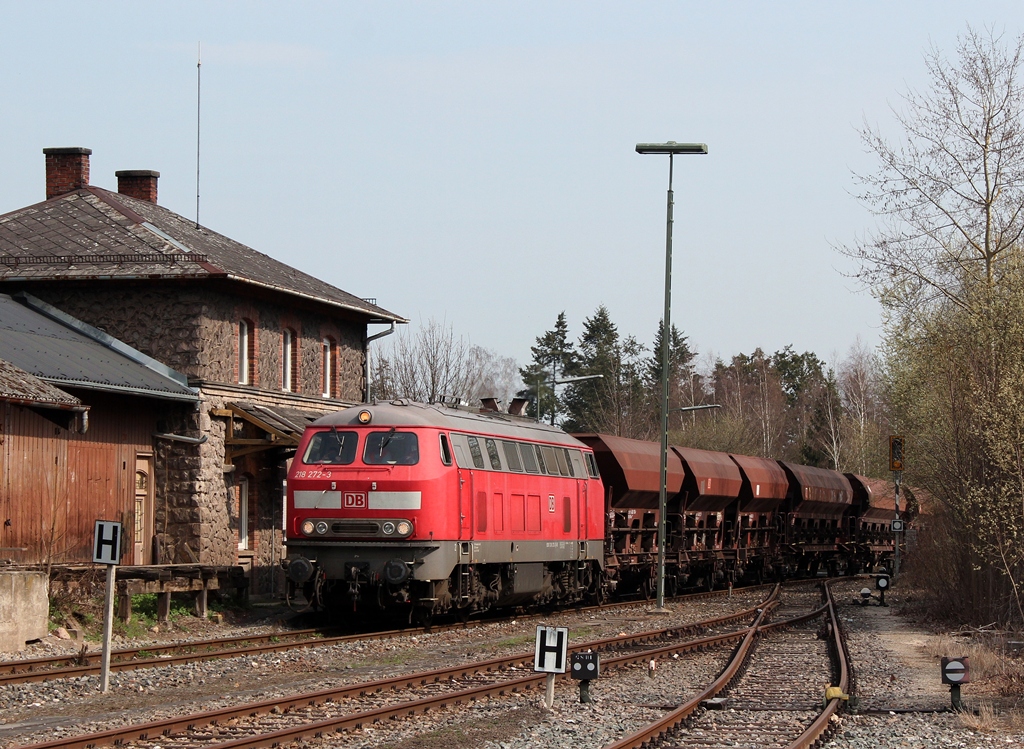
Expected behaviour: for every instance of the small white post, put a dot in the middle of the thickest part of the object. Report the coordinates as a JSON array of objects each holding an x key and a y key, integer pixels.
[
  {"x": 108, "y": 626},
  {"x": 549, "y": 691}
]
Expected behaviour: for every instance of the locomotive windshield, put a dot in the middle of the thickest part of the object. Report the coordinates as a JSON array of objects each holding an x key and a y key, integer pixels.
[
  {"x": 391, "y": 448},
  {"x": 334, "y": 448}
]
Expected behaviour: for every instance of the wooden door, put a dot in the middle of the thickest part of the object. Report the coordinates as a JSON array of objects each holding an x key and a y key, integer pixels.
[{"x": 143, "y": 509}]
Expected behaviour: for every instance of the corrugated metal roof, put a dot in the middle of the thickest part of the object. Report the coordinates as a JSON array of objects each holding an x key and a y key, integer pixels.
[
  {"x": 20, "y": 386},
  {"x": 65, "y": 355},
  {"x": 94, "y": 233}
]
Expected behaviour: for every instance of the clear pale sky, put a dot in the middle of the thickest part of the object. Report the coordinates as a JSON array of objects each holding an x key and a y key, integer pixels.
[{"x": 474, "y": 162}]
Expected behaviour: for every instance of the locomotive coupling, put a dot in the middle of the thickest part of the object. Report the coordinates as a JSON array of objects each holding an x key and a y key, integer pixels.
[{"x": 299, "y": 570}]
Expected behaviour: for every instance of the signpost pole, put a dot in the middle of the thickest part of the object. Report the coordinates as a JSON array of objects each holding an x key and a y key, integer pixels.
[
  {"x": 108, "y": 626},
  {"x": 897, "y": 476},
  {"x": 896, "y": 466}
]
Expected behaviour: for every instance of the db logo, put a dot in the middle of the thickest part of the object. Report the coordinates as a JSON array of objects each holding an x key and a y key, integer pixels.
[{"x": 355, "y": 501}]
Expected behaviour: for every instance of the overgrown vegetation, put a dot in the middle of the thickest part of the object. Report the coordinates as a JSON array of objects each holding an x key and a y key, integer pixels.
[{"x": 946, "y": 265}]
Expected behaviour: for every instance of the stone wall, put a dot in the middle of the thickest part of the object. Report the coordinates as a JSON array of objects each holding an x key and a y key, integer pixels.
[
  {"x": 193, "y": 329},
  {"x": 161, "y": 321},
  {"x": 24, "y": 607}
]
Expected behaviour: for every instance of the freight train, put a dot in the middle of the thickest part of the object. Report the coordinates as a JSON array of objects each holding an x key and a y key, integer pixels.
[{"x": 428, "y": 508}]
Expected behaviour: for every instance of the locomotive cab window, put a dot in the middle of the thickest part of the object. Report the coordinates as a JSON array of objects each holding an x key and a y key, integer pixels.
[
  {"x": 332, "y": 448},
  {"x": 563, "y": 464},
  {"x": 576, "y": 464},
  {"x": 391, "y": 448},
  {"x": 591, "y": 466},
  {"x": 446, "y": 452}
]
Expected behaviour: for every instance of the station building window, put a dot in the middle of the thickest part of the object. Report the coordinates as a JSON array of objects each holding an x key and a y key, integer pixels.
[
  {"x": 246, "y": 352},
  {"x": 329, "y": 352},
  {"x": 289, "y": 360}
]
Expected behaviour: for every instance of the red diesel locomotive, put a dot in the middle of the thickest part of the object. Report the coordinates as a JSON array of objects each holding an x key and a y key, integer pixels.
[{"x": 433, "y": 508}]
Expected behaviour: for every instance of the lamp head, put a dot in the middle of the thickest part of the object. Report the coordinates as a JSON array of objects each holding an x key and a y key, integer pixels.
[{"x": 672, "y": 147}]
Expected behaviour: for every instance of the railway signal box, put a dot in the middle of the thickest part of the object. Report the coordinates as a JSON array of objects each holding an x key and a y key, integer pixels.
[
  {"x": 956, "y": 670},
  {"x": 585, "y": 666},
  {"x": 895, "y": 453}
]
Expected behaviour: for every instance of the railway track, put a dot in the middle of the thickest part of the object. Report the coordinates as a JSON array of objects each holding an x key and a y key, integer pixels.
[
  {"x": 155, "y": 656},
  {"x": 278, "y": 721},
  {"x": 773, "y": 689}
]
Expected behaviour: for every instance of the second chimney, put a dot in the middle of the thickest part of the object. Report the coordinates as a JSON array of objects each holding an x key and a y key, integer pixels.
[
  {"x": 138, "y": 183},
  {"x": 67, "y": 169}
]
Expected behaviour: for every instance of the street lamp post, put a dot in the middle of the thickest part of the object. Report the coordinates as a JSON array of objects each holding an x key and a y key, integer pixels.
[
  {"x": 564, "y": 381},
  {"x": 671, "y": 148}
]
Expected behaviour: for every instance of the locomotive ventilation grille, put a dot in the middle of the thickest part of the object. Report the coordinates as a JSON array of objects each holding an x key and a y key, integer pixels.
[{"x": 355, "y": 528}]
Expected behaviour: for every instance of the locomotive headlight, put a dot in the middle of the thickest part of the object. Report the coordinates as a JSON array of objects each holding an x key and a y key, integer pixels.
[
  {"x": 388, "y": 528},
  {"x": 404, "y": 528},
  {"x": 307, "y": 527},
  {"x": 364, "y": 416},
  {"x": 321, "y": 527}
]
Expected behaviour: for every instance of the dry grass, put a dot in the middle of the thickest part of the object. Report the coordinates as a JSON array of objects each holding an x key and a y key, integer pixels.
[
  {"x": 986, "y": 661},
  {"x": 983, "y": 719}
]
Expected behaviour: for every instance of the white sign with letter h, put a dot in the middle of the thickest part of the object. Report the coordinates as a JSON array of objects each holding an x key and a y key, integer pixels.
[{"x": 551, "y": 649}]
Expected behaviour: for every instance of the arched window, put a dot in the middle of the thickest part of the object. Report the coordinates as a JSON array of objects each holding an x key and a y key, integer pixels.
[
  {"x": 246, "y": 356},
  {"x": 289, "y": 360}
]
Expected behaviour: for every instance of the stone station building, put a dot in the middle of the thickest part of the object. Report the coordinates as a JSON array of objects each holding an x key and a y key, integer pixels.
[{"x": 268, "y": 348}]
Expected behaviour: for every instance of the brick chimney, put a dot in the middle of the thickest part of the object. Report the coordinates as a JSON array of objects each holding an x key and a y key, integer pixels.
[
  {"x": 138, "y": 183},
  {"x": 67, "y": 169}
]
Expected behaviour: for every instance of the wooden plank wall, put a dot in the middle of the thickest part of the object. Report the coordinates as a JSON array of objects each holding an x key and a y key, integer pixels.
[{"x": 55, "y": 483}]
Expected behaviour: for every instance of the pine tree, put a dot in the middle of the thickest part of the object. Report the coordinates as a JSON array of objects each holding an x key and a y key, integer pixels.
[{"x": 553, "y": 357}]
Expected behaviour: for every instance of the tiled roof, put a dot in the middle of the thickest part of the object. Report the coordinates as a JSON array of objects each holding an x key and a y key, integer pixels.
[
  {"x": 18, "y": 385},
  {"x": 95, "y": 233},
  {"x": 65, "y": 352}
]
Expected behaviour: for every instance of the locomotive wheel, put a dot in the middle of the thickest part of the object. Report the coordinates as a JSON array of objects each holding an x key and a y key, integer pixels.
[{"x": 421, "y": 617}]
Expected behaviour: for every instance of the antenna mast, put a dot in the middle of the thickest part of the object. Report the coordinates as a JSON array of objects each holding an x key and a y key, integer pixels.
[{"x": 199, "y": 101}]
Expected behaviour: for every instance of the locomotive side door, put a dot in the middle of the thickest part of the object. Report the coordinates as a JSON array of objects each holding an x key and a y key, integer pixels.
[
  {"x": 465, "y": 498},
  {"x": 581, "y": 502},
  {"x": 466, "y": 494}
]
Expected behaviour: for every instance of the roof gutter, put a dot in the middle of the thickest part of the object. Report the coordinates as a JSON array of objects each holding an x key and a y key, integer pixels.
[
  {"x": 180, "y": 438},
  {"x": 366, "y": 358}
]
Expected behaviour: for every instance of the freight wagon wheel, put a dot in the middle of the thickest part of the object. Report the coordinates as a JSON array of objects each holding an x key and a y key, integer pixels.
[
  {"x": 648, "y": 588},
  {"x": 671, "y": 586}
]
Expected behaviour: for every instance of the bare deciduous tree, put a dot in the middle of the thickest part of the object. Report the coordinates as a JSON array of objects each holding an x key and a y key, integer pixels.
[
  {"x": 950, "y": 192},
  {"x": 433, "y": 364}
]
